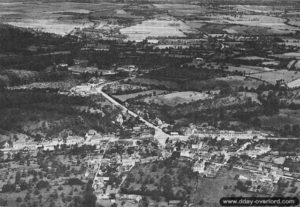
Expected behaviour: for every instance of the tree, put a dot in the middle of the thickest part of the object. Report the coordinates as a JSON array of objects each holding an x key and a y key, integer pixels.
[
  {"x": 89, "y": 199},
  {"x": 19, "y": 200},
  {"x": 27, "y": 197},
  {"x": 18, "y": 177},
  {"x": 42, "y": 184}
]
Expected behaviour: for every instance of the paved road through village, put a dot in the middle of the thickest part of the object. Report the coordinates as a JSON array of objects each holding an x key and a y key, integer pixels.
[{"x": 160, "y": 135}]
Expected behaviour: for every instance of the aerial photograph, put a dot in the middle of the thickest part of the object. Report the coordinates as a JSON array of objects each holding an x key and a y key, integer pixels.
[{"x": 149, "y": 103}]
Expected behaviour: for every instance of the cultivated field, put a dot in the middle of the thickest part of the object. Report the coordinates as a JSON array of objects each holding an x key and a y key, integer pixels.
[
  {"x": 58, "y": 17},
  {"x": 159, "y": 27},
  {"x": 294, "y": 84}
]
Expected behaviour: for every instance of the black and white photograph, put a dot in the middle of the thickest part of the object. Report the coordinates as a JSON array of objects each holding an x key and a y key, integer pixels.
[{"x": 149, "y": 103}]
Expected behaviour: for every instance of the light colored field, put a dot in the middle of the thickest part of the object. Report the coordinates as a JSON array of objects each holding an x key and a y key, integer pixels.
[
  {"x": 276, "y": 24},
  {"x": 177, "y": 6},
  {"x": 63, "y": 85},
  {"x": 273, "y": 76},
  {"x": 272, "y": 63},
  {"x": 51, "y": 25},
  {"x": 52, "y": 17},
  {"x": 248, "y": 69},
  {"x": 257, "y": 8},
  {"x": 294, "y": 84},
  {"x": 158, "y": 27},
  {"x": 288, "y": 55},
  {"x": 176, "y": 98},
  {"x": 252, "y": 58},
  {"x": 181, "y": 9},
  {"x": 78, "y": 11},
  {"x": 295, "y": 22}
]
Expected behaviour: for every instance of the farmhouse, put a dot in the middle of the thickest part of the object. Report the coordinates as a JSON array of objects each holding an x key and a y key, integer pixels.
[{"x": 127, "y": 68}]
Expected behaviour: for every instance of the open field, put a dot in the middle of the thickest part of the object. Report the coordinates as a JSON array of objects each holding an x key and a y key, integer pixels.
[
  {"x": 275, "y": 24},
  {"x": 248, "y": 69},
  {"x": 252, "y": 58},
  {"x": 51, "y": 25},
  {"x": 273, "y": 76},
  {"x": 125, "y": 97},
  {"x": 237, "y": 81},
  {"x": 181, "y": 10},
  {"x": 176, "y": 98},
  {"x": 195, "y": 85},
  {"x": 54, "y": 17},
  {"x": 263, "y": 9},
  {"x": 288, "y": 55},
  {"x": 163, "y": 26},
  {"x": 60, "y": 85},
  {"x": 294, "y": 84}
]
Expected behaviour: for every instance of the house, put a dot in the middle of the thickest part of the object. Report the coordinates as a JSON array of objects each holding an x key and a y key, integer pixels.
[
  {"x": 197, "y": 62},
  {"x": 136, "y": 198},
  {"x": 91, "y": 132},
  {"x": 81, "y": 62},
  {"x": 73, "y": 140},
  {"x": 199, "y": 167},
  {"x": 62, "y": 67},
  {"x": 79, "y": 69},
  {"x": 6, "y": 145},
  {"x": 128, "y": 162},
  {"x": 186, "y": 153},
  {"x": 48, "y": 148},
  {"x": 127, "y": 68}
]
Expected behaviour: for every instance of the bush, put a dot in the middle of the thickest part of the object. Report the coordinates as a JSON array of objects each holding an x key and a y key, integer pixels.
[
  {"x": 74, "y": 181},
  {"x": 42, "y": 184}
]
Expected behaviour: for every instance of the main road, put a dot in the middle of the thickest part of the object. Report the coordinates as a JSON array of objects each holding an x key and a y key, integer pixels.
[{"x": 159, "y": 135}]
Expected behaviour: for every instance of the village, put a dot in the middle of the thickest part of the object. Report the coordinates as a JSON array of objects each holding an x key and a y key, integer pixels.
[
  {"x": 111, "y": 158},
  {"x": 148, "y": 104}
]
